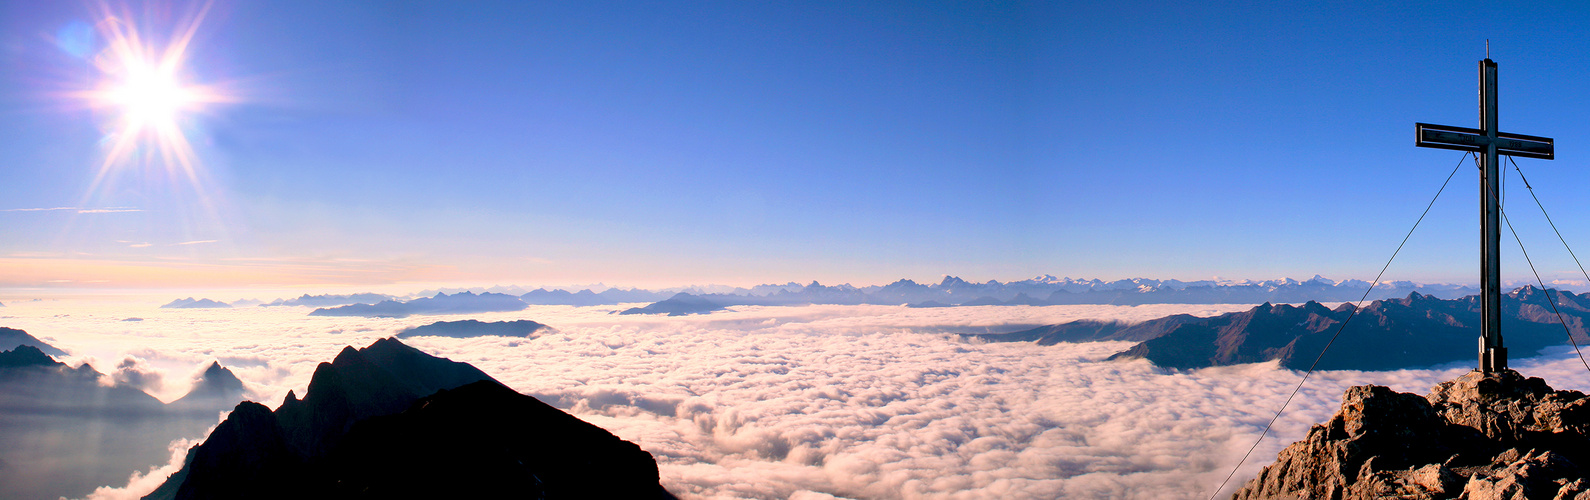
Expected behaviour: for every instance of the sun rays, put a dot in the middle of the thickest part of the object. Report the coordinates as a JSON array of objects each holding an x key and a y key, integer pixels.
[{"x": 145, "y": 87}]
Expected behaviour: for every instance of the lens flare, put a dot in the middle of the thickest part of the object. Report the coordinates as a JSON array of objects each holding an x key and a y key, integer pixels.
[{"x": 145, "y": 86}]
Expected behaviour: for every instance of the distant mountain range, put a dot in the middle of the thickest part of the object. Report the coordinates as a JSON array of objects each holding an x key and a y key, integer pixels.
[
  {"x": 1416, "y": 331},
  {"x": 459, "y": 303},
  {"x": 191, "y": 303},
  {"x": 949, "y": 292},
  {"x": 330, "y": 300},
  {"x": 389, "y": 421},
  {"x": 65, "y": 431}
]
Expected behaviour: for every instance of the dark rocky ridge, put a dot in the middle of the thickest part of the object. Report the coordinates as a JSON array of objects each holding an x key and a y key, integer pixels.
[
  {"x": 389, "y": 421},
  {"x": 1496, "y": 436}
]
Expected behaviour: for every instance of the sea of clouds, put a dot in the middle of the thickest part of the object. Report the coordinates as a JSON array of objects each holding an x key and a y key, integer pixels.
[{"x": 799, "y": 402}]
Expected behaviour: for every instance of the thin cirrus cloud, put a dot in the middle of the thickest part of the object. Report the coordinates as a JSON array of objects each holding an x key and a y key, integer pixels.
[
  {"x": 812, "y": 401},
  {"x": 81, "y": 210}
]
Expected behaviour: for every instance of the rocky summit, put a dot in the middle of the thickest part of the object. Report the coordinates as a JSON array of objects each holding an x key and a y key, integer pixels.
[{"x": 1478, "y": 437}]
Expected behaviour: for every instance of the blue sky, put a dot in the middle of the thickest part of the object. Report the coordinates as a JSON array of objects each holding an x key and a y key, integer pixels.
[{"x": 671, "y": 143}]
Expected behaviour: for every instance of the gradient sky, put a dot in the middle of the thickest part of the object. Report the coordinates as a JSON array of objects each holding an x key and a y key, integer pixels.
[{"x": 739, "y": 143}]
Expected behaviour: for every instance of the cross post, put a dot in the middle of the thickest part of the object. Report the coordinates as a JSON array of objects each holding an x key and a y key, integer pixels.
[{"x": 1489, "y": 144}]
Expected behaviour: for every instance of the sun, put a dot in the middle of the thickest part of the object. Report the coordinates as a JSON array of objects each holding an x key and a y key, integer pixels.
[
  {"x": 144, "y": 87},
  {"x": 150, "y": 97}
]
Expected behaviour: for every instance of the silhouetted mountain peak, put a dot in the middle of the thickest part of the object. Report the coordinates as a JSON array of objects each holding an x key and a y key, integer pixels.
[
  {"x": 364, "y": 431},
  {"x": 11, "y": 338},
  {"x": 952, "y": 281},
  {"x": 26, "y": 355},
  {"x": 218, "y": 378},
  {"x": 348, "y": 356}
]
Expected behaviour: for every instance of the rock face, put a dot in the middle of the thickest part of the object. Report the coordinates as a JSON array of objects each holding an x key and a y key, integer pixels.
[
  {"x": 389, "y": 421},
  {"x": 1478, "y": 437}
]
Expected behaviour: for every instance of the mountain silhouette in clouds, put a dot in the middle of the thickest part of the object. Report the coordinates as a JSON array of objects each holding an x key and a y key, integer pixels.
[
  {"x": 458, "y": 303},
  {"x": 217, "y": 387},
  {"x": 1419, "y": 330},
  {"x": 10, "y": 338},
  {"x": 389, "y": 421},
  {"x": 474, "y": 328},
  {"x": 680, "y": 304},
  {"x": 65, "y": 431}
]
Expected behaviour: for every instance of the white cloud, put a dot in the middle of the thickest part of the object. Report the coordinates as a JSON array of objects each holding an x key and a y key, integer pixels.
[{"x": 817, "y": 401}]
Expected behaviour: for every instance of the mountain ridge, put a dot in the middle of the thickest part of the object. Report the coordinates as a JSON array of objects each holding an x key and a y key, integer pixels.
[
  {"x": 1415, "y": 331},
  {"x": 383, "y": 420}
]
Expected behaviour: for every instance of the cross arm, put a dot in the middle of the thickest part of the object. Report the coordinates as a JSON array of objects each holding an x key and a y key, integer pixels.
[{"x": 1469, "y": 139}]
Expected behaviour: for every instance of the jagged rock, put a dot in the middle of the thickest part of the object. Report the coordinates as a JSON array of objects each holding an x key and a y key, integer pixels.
[{"x": 1477, "y": 437}]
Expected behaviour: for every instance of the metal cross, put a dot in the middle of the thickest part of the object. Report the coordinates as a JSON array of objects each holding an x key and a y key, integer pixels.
[{"x": 1489, "y": 144}]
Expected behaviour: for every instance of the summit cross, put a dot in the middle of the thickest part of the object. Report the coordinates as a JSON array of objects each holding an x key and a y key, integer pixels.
[{"x": 1489, "y": 144}]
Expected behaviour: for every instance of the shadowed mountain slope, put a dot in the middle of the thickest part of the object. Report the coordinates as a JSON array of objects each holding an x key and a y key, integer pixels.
[{"x": 380, "y": 422}]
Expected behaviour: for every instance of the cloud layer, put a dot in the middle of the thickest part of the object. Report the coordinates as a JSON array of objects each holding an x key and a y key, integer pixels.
[{"x": 807, "y": 402}]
